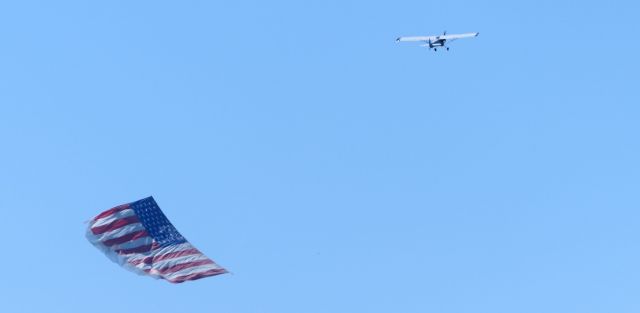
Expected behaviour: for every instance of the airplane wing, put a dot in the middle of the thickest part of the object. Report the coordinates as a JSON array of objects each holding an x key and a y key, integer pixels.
[
  {"x": 458, "y": 36},
  {"x": 417, "y": 38},
  {"x": 434, "y": 38}
]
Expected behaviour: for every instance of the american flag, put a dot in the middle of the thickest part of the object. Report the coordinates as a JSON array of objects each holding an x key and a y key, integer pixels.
[{"x": 139, "y": 237}]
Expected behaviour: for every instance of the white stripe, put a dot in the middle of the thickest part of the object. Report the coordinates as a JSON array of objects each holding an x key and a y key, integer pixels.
[
  {"x": 120, "y": 232},
  {"x": 167, "y": 262},
  {"x": 183, "y": 259},
  {"x": 192, "y": 270},
  {"x": 133, "y": 244},
  {"x": 164, "y": 264},
  {"x": 162, "y": 251},
  {"x": 110, "y": 218},
  {"x": 173, "y": 261}
]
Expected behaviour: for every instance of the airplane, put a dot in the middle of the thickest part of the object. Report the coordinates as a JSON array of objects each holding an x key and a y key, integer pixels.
[{"x": 437, "y": 41}]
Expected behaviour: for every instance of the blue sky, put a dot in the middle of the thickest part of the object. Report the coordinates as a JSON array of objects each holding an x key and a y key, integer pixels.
[{"x": 329, "y": 168}]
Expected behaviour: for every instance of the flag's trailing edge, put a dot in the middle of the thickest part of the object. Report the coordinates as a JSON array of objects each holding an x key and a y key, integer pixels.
[{"x": 139, "y": 237}]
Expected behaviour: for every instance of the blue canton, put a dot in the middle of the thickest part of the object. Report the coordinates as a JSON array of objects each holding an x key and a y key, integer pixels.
[{"x": 156, "y": 223}]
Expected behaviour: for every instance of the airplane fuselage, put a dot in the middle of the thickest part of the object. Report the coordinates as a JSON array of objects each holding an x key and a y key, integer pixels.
[{"x": 437, "y": 43}]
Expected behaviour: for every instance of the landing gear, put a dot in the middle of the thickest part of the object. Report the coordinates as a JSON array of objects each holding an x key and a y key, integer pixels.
[
  {"x": 447, "y": 48},
  {"x": 435, "y": 49}
]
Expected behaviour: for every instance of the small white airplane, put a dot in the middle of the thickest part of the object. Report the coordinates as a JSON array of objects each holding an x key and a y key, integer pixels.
[{"x": 437, "y": 41}]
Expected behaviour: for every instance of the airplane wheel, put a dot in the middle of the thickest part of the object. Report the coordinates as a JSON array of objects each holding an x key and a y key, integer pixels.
[
  {"x": 447, "y": 48},
  {"x": 435, "y": 49}
]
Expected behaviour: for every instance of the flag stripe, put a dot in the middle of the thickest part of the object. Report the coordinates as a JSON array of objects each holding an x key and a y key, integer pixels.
[
  {"x": 160, "y": 252},
  {"x": 158, "y": 266},
  {"x": 182, "y": 266},
  {"x": 192, "y": 270},
  {"x": 115, "y": 225},
  {"x": 195, "y": 276},
  {"x": 170, "y": 255},
  {"x": 119, "y": 232},
  {"x": 116, "y": 216},
  {"x": 112, "y": 211},
  {"x": 133, "y": 244},
  {"x": 177, "y": 261},
  {"x": 139, "y": 249},
  {"x": 125, "y": 238},
  {"x": 186, "y": 254}
]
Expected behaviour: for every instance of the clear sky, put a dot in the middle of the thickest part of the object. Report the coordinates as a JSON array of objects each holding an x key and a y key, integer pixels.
[{"x": 330, "y": 168}]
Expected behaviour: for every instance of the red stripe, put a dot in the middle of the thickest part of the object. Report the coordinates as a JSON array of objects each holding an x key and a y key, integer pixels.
[
  {"x": 112, "y": 211},
  {"x": 175, "y": 254},
  {"x": 140, "y": 249},
  {"x": 115, "y": 225},
  {"x": 183, "y": 266},
  {"x": 195, "y": 276},
  {"x": 171, "y": 255},
  {"x": 125, "y": 238}
]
